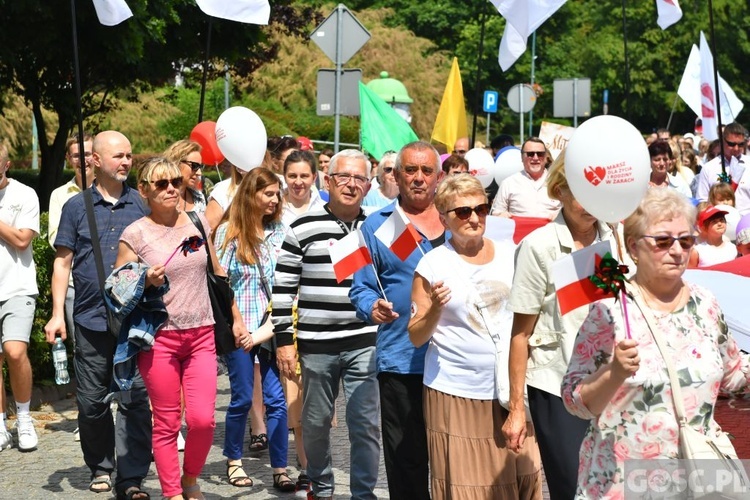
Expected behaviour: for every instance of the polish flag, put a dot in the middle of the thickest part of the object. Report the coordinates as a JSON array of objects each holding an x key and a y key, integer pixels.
[
  {"x": 349, "y": 255},
  {"x": 669, "y": 12},
  {"x": 571, "y": 273},
  {"x": 112, "y": 12},
  {"x": 242, "y": 11},
  {"x": 398, "y": 235},
  {"x": 514, "y": 228},
  {"x": 708, "y": 92}
]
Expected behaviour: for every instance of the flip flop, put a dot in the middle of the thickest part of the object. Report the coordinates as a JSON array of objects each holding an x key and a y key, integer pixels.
[{"x": 96, "y": 482}]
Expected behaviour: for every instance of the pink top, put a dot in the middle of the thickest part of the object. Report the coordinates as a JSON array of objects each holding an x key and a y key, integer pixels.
[{"x": 187, "y": 301}]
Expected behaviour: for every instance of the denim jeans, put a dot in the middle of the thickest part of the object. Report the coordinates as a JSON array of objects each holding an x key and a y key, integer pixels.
[{"x": 321, "y": 376}]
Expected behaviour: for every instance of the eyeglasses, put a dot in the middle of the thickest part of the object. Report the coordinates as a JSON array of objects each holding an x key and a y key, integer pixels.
[
  {"x": 342, "y": 179},
  {"x": 194, "y": 165},
  {"x": 163, "y": 183},
  {"x": 76, "y": 156},
  {"x": 464, "y": 213},
  {"x": 538, "y": 154},
  {"x": 734, "y": 144},
  {"x": 387, "y": 170},
  {"x": 664, "y": 242}
]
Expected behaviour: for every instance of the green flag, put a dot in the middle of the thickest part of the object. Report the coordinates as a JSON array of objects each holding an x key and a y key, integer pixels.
[{"x": 381, "y": 128}]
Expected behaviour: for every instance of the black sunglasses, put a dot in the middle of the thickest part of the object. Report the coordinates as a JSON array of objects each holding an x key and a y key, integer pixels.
[
  {"x": 163, "y": 183},
  {"x": 734, "y": 144},
  {"x": 194, "y": 165},
  {"x": 539, "y": 154},
  {"x": 387, "y": 170},
  {"x": 464, "y": 213},
  {"x": 664, "y": 242}
]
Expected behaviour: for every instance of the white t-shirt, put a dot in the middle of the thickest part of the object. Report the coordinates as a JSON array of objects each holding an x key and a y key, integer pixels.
[
  {"x": 709, "y": 255},
  {"x": 522, "y": 196},
  {"x": 220, "y": 193},
  {"x": 289, "y": 213},
  {"x": 460, "y": 358},
  {"x": 19, "y": 207}
]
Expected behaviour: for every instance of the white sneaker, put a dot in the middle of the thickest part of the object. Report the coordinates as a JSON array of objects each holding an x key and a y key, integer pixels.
[
  {"x": 6, "y": 440},
  {"x": 76, "y": 435},
  {"x": 27, "y": 439},
  {"x": 180, "y": 442}
]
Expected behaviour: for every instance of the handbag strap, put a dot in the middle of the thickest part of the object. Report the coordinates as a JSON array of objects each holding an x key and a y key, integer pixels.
[
  {"x": 93, "y": 230},
  {"x": 196, "y": 220},
  {"x": 660, "y": 343}
]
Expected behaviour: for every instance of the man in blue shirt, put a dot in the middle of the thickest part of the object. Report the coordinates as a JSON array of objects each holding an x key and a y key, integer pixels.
[
  {"x": 105, "y": 445},
  {"x": 400, "y": 364}
]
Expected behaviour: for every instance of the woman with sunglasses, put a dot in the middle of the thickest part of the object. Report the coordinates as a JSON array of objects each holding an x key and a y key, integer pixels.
[
  {"x": 182, "y": 359},
  {"x": 618, "y": 378},
  {"x": 248, "y": 241},
  {"x": 387, "y": 189},
  {"x": 542, "y": 339},
  {"x": 459, "y": 298},
  {"x": 187, "y": 154}
]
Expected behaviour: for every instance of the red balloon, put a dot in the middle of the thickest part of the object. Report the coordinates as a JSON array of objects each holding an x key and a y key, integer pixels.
[{"x": 205, "y": 134}]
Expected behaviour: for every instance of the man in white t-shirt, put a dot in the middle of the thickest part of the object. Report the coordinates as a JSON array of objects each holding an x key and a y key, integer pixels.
[
  {"x": 19, "y": 224},
  {"x": 736, "y": 164},
  {"x": 524, "y": 194}
]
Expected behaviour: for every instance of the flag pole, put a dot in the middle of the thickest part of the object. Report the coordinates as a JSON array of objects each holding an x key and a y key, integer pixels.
[
  {"x": 671, "y": 114},
  {"x": 627, "y": 62},
  {"x": 77, "y": 86},
  {"x": 377, "y": 278},
  {"x": 717, "y": 90},
  {"x": 479, "y": 72},
  {"x": 205, "y": 69}
]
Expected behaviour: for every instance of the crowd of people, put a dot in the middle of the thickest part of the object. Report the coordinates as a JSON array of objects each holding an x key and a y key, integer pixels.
[{"x": 454, "y": 357}]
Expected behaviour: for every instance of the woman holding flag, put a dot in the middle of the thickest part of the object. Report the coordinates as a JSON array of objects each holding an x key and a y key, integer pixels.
[
  {"x": 459, "y": 297},
  {"x": 247, "y": 242},
  {"x": 542, "y": 338}
]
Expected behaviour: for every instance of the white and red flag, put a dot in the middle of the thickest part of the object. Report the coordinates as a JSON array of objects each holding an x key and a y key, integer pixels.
[
  {"x": 349, "y": 255},
  {"x": 708, "y": 92},
  {"x": 522, "y": 18},
  {"x": 669, "y": 12},
  {"x": 571, "y": 276},
  {"x": 242, "y": 11},
  {"x": 112, "y": 12},
  {"x": 398, "y": 235}
]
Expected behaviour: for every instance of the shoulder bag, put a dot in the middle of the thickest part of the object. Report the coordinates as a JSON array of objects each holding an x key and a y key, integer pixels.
[{"x": 221, "y": 295}]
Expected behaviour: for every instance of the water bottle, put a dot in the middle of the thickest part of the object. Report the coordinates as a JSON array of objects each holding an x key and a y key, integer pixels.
[{"x": 60, "y": 360}]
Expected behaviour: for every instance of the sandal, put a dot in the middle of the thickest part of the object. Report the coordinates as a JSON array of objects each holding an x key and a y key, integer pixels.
[
  {"x": 282, "y": 482},
  {"x": 237, "y": 476},
  {"x": 258, "y": 443},
  {"x": 133, "y": 493},
  {"x": 97, "y": 482}
]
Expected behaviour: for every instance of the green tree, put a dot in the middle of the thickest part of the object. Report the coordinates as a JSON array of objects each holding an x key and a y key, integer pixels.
[{"x": 164, "y": 35}]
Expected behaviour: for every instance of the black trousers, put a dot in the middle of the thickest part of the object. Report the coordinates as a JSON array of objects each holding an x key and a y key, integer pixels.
[
  {"x": 106, "y": 445},
  {"x": 404, "y": 436},
  {"x": 559, "y": 435}
]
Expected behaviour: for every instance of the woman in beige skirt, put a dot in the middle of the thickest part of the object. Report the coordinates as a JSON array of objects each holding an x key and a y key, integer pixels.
[{"x": 458, "y": 305}]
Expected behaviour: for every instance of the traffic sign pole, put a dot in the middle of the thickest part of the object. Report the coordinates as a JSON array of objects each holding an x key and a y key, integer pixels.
[
  {"x": 337, "y": 99},
  {"x": 487, "y": 142}
]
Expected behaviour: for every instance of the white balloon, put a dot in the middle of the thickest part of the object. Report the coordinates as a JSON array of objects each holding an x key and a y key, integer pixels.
[
  {"x": 241, "y": 137},
  {"x": 481, "y": 165},
  {"x": 733, "y": 218},
  {"x": 608, "y": 167},
  {"x": 508, "y": 163}
]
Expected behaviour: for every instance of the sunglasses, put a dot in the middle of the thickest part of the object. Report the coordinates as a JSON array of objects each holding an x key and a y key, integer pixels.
[
  {"x": 387, "y": 170},
  {"x": 464, "y": 213},
  {"x": 664, "y": 242},
  {"x": 163, "y": 183},
  {"x": 538, "y": 154},
  {"x": 194, "y": 165},
  {"x": 734, "y": 144}
]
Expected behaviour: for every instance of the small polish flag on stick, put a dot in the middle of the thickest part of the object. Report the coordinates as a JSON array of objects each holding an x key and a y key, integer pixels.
[
  {"x": 349, "y": 255},
  {"x": 571, "y": 275},
  {"x": 399, "y": 235}
]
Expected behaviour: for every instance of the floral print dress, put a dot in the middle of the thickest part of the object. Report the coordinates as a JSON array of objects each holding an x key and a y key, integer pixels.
[{"x": 640, "y": 421}]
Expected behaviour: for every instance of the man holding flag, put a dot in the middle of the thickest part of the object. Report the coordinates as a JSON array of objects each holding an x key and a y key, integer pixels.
[
  {"x": 397, "y": 236},
  {"x": 333, "y": 344}
]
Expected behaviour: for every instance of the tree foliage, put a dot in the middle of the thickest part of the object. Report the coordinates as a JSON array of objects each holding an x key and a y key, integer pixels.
[{"x": 36, "y": 56}]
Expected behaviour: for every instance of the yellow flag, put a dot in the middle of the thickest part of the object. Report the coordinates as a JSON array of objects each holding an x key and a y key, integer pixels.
[{"x": 450, "y": 123}]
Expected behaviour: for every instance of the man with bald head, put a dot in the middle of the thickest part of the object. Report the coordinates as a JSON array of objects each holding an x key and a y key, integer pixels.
[
  {"x": 126, "y": 445},
  {"x": 461, "y": 146}
]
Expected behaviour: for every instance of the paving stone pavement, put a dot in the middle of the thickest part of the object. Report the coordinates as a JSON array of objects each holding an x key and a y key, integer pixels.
[{"x": 56, "y": 469}]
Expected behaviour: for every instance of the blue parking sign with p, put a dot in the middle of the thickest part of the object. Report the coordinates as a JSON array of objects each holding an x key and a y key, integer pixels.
[{"x": 490, "y": 101}]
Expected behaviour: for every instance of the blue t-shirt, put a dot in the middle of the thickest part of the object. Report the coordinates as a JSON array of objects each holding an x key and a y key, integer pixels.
[{"x": 73, "y": 233}]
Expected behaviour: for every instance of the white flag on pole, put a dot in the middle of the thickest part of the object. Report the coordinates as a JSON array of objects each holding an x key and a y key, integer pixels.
[
  {"x": 669, "y": 12},
  {"x": 112, "y": 12},
  {"x": 708, "y": 92},
  {"x": 522, "y": 18},
  {"x": 690, "y": 90},
  {"x": 242, "y": 11}
]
